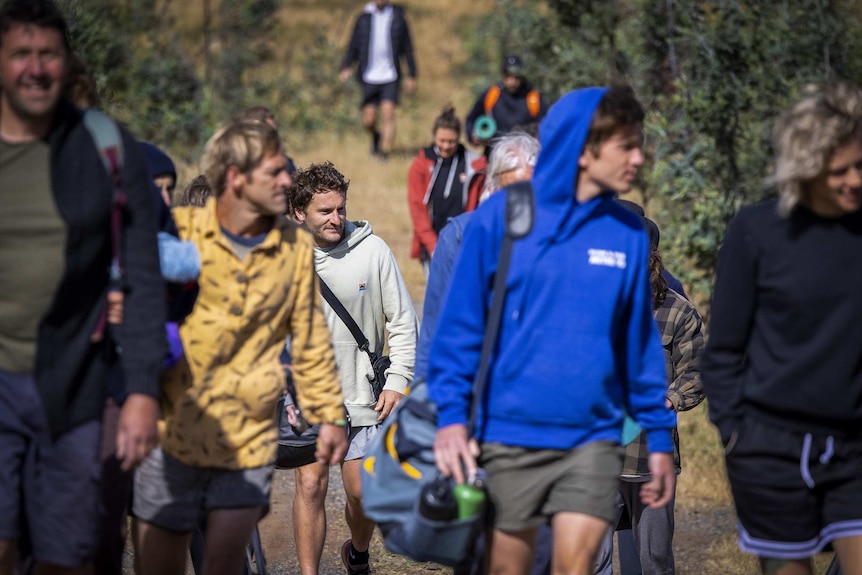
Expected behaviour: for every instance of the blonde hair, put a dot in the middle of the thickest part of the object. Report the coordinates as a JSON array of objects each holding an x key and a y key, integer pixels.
[
  {"x": 240, "y": 143},
  {"x": 806, "y": 135}
]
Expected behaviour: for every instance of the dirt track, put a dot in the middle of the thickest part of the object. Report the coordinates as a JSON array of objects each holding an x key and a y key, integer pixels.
[
  {"x": 277, "y": 535},
  {"x": 696, "y": 529},
  {"x": 276, "y": 531}
]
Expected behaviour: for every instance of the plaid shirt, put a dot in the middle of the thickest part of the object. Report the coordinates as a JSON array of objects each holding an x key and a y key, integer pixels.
[{"x": 682, "y": 337}]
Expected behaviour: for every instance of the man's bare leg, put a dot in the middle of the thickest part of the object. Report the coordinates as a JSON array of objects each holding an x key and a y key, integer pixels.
[
  {"x": 849, "y": 550},
  {"x": 772, "y": 566},
  {"x": 577, "y": 537},
  {"x": 361, "y": 528},
  {"x": 387, "y": 132},
  {"x": 228, "y": 532},
  {"x": 369, "y": 122},
  {"x": 309, "y": 515},
  {"x": 512, "y": 552},
  {"x": 159, "y": 551}
]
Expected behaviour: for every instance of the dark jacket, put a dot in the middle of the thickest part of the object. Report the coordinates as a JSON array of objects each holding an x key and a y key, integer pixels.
[
  {"x": 402, "y": 47},
  {"x": 509, "y": 112},
  {"x": 70, "y": 370}
]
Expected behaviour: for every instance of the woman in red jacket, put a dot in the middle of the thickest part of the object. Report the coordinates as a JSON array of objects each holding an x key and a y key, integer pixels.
[{"x": 445, "y": 180}]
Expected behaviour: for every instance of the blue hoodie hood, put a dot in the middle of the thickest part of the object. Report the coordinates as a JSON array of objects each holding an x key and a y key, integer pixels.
[
  {"x": 563, "y": 130},
  {"x": 558, "y": 214}
]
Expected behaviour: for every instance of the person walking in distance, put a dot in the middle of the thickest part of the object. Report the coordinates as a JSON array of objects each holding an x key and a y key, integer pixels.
[
  {"x": 380, "y": 40},
  {"x": 511, "y": 103}
]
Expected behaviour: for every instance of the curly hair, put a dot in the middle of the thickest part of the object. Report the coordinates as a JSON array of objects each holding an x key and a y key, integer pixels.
[
  {"x": 316, "y": 179},
  {"x": 807, "y": 134},
  {"x": 656, "y": 278},
  {"x": 81, "y": 87},
  {"x": 196, "y": 193}
]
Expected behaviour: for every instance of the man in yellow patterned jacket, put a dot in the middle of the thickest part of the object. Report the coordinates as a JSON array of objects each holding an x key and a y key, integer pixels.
[{"x": 218, "y": 433}]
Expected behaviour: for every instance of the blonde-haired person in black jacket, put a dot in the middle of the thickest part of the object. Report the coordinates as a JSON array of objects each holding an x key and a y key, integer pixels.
[{"x": 782, "y": 368}]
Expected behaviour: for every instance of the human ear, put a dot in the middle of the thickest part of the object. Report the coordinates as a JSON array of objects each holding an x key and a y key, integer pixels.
[{"x": 234, "y": 178}]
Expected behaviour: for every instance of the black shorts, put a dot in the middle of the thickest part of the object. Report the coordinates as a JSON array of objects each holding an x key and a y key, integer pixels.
[
  {"x": 373, "y": 94},
  {"x": 794, "y": 492}
]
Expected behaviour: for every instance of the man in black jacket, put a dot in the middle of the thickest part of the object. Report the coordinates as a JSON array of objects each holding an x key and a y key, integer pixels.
[
  {"x": 55, "y": 253},
  {"x": 380, "y": 39}
]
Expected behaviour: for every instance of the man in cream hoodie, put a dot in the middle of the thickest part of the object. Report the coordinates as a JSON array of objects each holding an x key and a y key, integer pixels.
[{"x": 361, "y": 271}]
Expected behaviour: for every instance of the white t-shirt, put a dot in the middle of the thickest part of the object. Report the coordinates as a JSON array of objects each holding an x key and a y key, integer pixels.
[{"x": 381, "y": 64}]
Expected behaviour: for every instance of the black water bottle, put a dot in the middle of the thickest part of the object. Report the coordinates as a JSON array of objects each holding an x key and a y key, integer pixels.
[{"x": 437, "y": 501}]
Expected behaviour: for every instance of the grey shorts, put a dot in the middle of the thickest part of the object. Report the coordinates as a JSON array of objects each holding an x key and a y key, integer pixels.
[
  {"x": 359, "y": 440},
  {"x": 174, "y": 496},
  {"x": 48, "y": 485},
  {"x": 529, "y": 486}
]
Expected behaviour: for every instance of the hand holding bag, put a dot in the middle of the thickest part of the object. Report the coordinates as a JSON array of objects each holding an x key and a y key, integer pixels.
[
  {"x": 399, "y": 464},
  {"x": 297, "y": 444},
  {"x": 379, "y": 363}
]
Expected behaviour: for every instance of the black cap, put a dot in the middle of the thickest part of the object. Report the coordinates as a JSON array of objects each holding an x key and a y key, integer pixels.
[{"x": 513, "y": 65}]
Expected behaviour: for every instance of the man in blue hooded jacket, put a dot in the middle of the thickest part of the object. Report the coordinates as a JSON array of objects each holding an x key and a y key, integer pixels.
[{"x": 578, "y": 346}]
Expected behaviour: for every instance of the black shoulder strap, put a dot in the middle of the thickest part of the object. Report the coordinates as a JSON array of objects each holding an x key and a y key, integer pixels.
[
  {"x": 342, "y": 312},
  {"x": 519, "y": 223}
]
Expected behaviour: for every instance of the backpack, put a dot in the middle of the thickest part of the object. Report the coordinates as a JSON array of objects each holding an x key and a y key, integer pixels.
[
  {"x": 399, "y": 462},
  {"x": 534, "y": 101},
  {"x": 109, "y": 142}
]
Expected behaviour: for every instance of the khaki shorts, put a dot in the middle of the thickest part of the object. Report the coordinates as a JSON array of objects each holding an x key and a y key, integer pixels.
[{"x": 529, "y": 486}]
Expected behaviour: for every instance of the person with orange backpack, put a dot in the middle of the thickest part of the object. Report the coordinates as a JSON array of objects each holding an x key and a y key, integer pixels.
[{"x": 509, "y": 104}]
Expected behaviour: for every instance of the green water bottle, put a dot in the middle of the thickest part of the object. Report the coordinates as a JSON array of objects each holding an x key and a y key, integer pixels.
[{"x": 470, "y": 497}]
